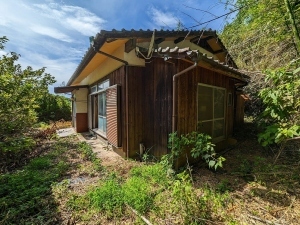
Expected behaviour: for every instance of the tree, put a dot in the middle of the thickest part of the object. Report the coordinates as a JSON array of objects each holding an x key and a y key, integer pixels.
[
  {"x": 261, "y": 36},
  {"x": 53, "y": 107},
  {"x": 19, "y": 89}
]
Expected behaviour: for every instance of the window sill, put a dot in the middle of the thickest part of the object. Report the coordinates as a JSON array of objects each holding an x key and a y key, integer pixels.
[{"x": 102, "y": 134}]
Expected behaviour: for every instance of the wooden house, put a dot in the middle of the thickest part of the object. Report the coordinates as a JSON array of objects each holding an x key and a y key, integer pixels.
[{"x": 136, "y": 87}]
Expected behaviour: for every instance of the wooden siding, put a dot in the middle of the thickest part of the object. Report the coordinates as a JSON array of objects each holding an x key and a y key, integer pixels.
[
  {"x": 187, "y": 87},
  {"x": 113, "y": 116},
  {"x": 150, "y": 106},
  {"x": 150, "y": 103}
]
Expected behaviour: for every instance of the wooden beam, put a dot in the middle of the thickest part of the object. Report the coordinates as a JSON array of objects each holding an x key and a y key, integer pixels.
[
  {"x": 218, "y": 51},
  {"x": 180, "y": 39},
  {"x": 159, "y": 40},
  {"x": 130, "y": 45}
]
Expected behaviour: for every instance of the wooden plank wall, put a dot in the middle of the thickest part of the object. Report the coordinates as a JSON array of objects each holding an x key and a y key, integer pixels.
[
  {"x": 158, "y": 107},
  {"x": 150, "y": 106},
  {"x": 150, "y": 102},
  {"x": 187, "y": 96}
]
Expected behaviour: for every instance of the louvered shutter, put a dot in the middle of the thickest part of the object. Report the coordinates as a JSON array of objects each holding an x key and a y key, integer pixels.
[{"x": 113, "y": 116}]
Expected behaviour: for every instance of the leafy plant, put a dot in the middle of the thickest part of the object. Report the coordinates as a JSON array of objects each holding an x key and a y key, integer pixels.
[
  {"x": 200, "y": 145},
  {"x": 280, "y": 119},
  {"x": 20, "y": 88}
]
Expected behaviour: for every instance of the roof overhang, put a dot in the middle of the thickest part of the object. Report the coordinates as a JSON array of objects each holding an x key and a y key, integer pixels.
[
  {"x": 109, "y": 41},
  {"x": 67, "y": 89},
  {"x": 203, "y": 60}
]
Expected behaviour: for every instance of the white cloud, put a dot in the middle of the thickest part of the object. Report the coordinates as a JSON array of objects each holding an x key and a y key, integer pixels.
[
  {"x": 62, "y": 68},
  {"x": 72, "y": 17},
  {"x": 51, "y": 32},
  {"x": 163, "y": 19}
]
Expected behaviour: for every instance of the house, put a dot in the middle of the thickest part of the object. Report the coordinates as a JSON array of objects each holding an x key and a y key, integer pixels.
[{"x": 134, "y": 87}]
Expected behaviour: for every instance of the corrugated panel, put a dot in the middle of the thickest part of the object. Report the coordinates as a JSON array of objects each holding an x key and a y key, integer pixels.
[{"x": 112, "y": 112}]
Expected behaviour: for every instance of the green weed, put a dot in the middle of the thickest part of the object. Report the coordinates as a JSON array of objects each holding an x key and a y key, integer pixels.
[
  {"x": 87, "y": 152},
  {"x": 24, "y": 194},
  {"x": 108, "y": 197},
  {"x": 138, "y": 194}
]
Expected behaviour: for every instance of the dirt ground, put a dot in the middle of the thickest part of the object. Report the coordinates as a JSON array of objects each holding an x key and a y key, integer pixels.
[{"x": 258, "y": 193}]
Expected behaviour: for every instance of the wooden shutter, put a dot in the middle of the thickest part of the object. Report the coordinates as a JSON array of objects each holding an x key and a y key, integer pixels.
[{"x": 113, "y": 116}]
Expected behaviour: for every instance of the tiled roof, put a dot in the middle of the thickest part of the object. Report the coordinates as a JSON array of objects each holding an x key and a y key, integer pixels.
[{"x": 183, "y": 52}]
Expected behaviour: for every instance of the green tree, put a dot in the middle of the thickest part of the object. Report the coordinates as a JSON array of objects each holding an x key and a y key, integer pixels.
[
  {"x": 53, "y": 107},
  {"x": 261, "y": 36},
  {"x": 264, "y": 35},
  {"x": 19, "y": 89}
]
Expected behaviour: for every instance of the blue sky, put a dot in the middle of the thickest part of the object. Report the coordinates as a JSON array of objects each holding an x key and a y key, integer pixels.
[{"x": 55, "y": 33}]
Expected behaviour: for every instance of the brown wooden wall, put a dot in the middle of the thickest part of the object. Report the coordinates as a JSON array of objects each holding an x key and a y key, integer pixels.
[
  {"x": 150, "y": 102},
  {"x": 187, "y": 96}
]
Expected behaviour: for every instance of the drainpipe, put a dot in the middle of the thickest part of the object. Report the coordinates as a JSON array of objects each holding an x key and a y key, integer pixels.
[
  {"x": 126, "y": 92},
  {"x": 127, "y": 114},
  {"x": 174, "y": 111}
]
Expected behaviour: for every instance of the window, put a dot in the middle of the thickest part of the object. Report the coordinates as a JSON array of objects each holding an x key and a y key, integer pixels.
[
  {"x": 97, "y": 107},
  {"x": 211, "y": 111},
  {"x": 94, "y": 89},
  {"x": 102, "y": 112},
  {"x": 103, "y": 85}
]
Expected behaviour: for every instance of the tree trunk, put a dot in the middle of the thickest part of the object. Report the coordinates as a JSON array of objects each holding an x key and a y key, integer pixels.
[{"x": 293, "y": 23}]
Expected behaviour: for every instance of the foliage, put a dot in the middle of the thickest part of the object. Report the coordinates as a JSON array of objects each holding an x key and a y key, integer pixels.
[
  {"x": 24, "y": 194},
  {"x": 200, "y": 145},
  {"x": 138, "y": 194},
  {"x": 15, "y": 151},
  {"x": 186, "y": 200},
  {"x": 19, "y": 89},
  {"x": 260, "y": 36},
  {"x": 108, "y": 197},
  {"x": 280, "y": 119},
  {"x": 53, "y": 107},
  {"x": 87, "y": 152}
]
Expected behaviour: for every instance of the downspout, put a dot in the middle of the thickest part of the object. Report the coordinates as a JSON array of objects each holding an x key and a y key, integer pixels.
[
  {"x": 127, "y": 116},
  {"x": 174, "y": 111},
  {"x": 126, "y": 92}
]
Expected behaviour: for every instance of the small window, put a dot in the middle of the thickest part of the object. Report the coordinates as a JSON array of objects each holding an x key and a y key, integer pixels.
[
  {"x": 103, "y": 85},
  {"x": 211, "y": 111},
  {"x": 94, "y": 89}
]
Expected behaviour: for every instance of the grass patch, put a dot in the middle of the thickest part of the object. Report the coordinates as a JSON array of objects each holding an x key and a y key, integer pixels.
[
  {"x": 25, "y": 194},
  {"x": 108, "y": 197}
]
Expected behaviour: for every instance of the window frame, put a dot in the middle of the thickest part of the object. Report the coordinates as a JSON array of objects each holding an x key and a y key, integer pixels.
[
  {"x": 222, "y": 137},
  {"x": 101, "y": 88}
]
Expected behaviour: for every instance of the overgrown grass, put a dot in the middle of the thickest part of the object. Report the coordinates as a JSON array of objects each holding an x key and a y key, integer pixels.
[
  {"x": 152, "y": 192},
  {"x": 25, "y": 196},
  {"x": 87, "y": 152}
]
